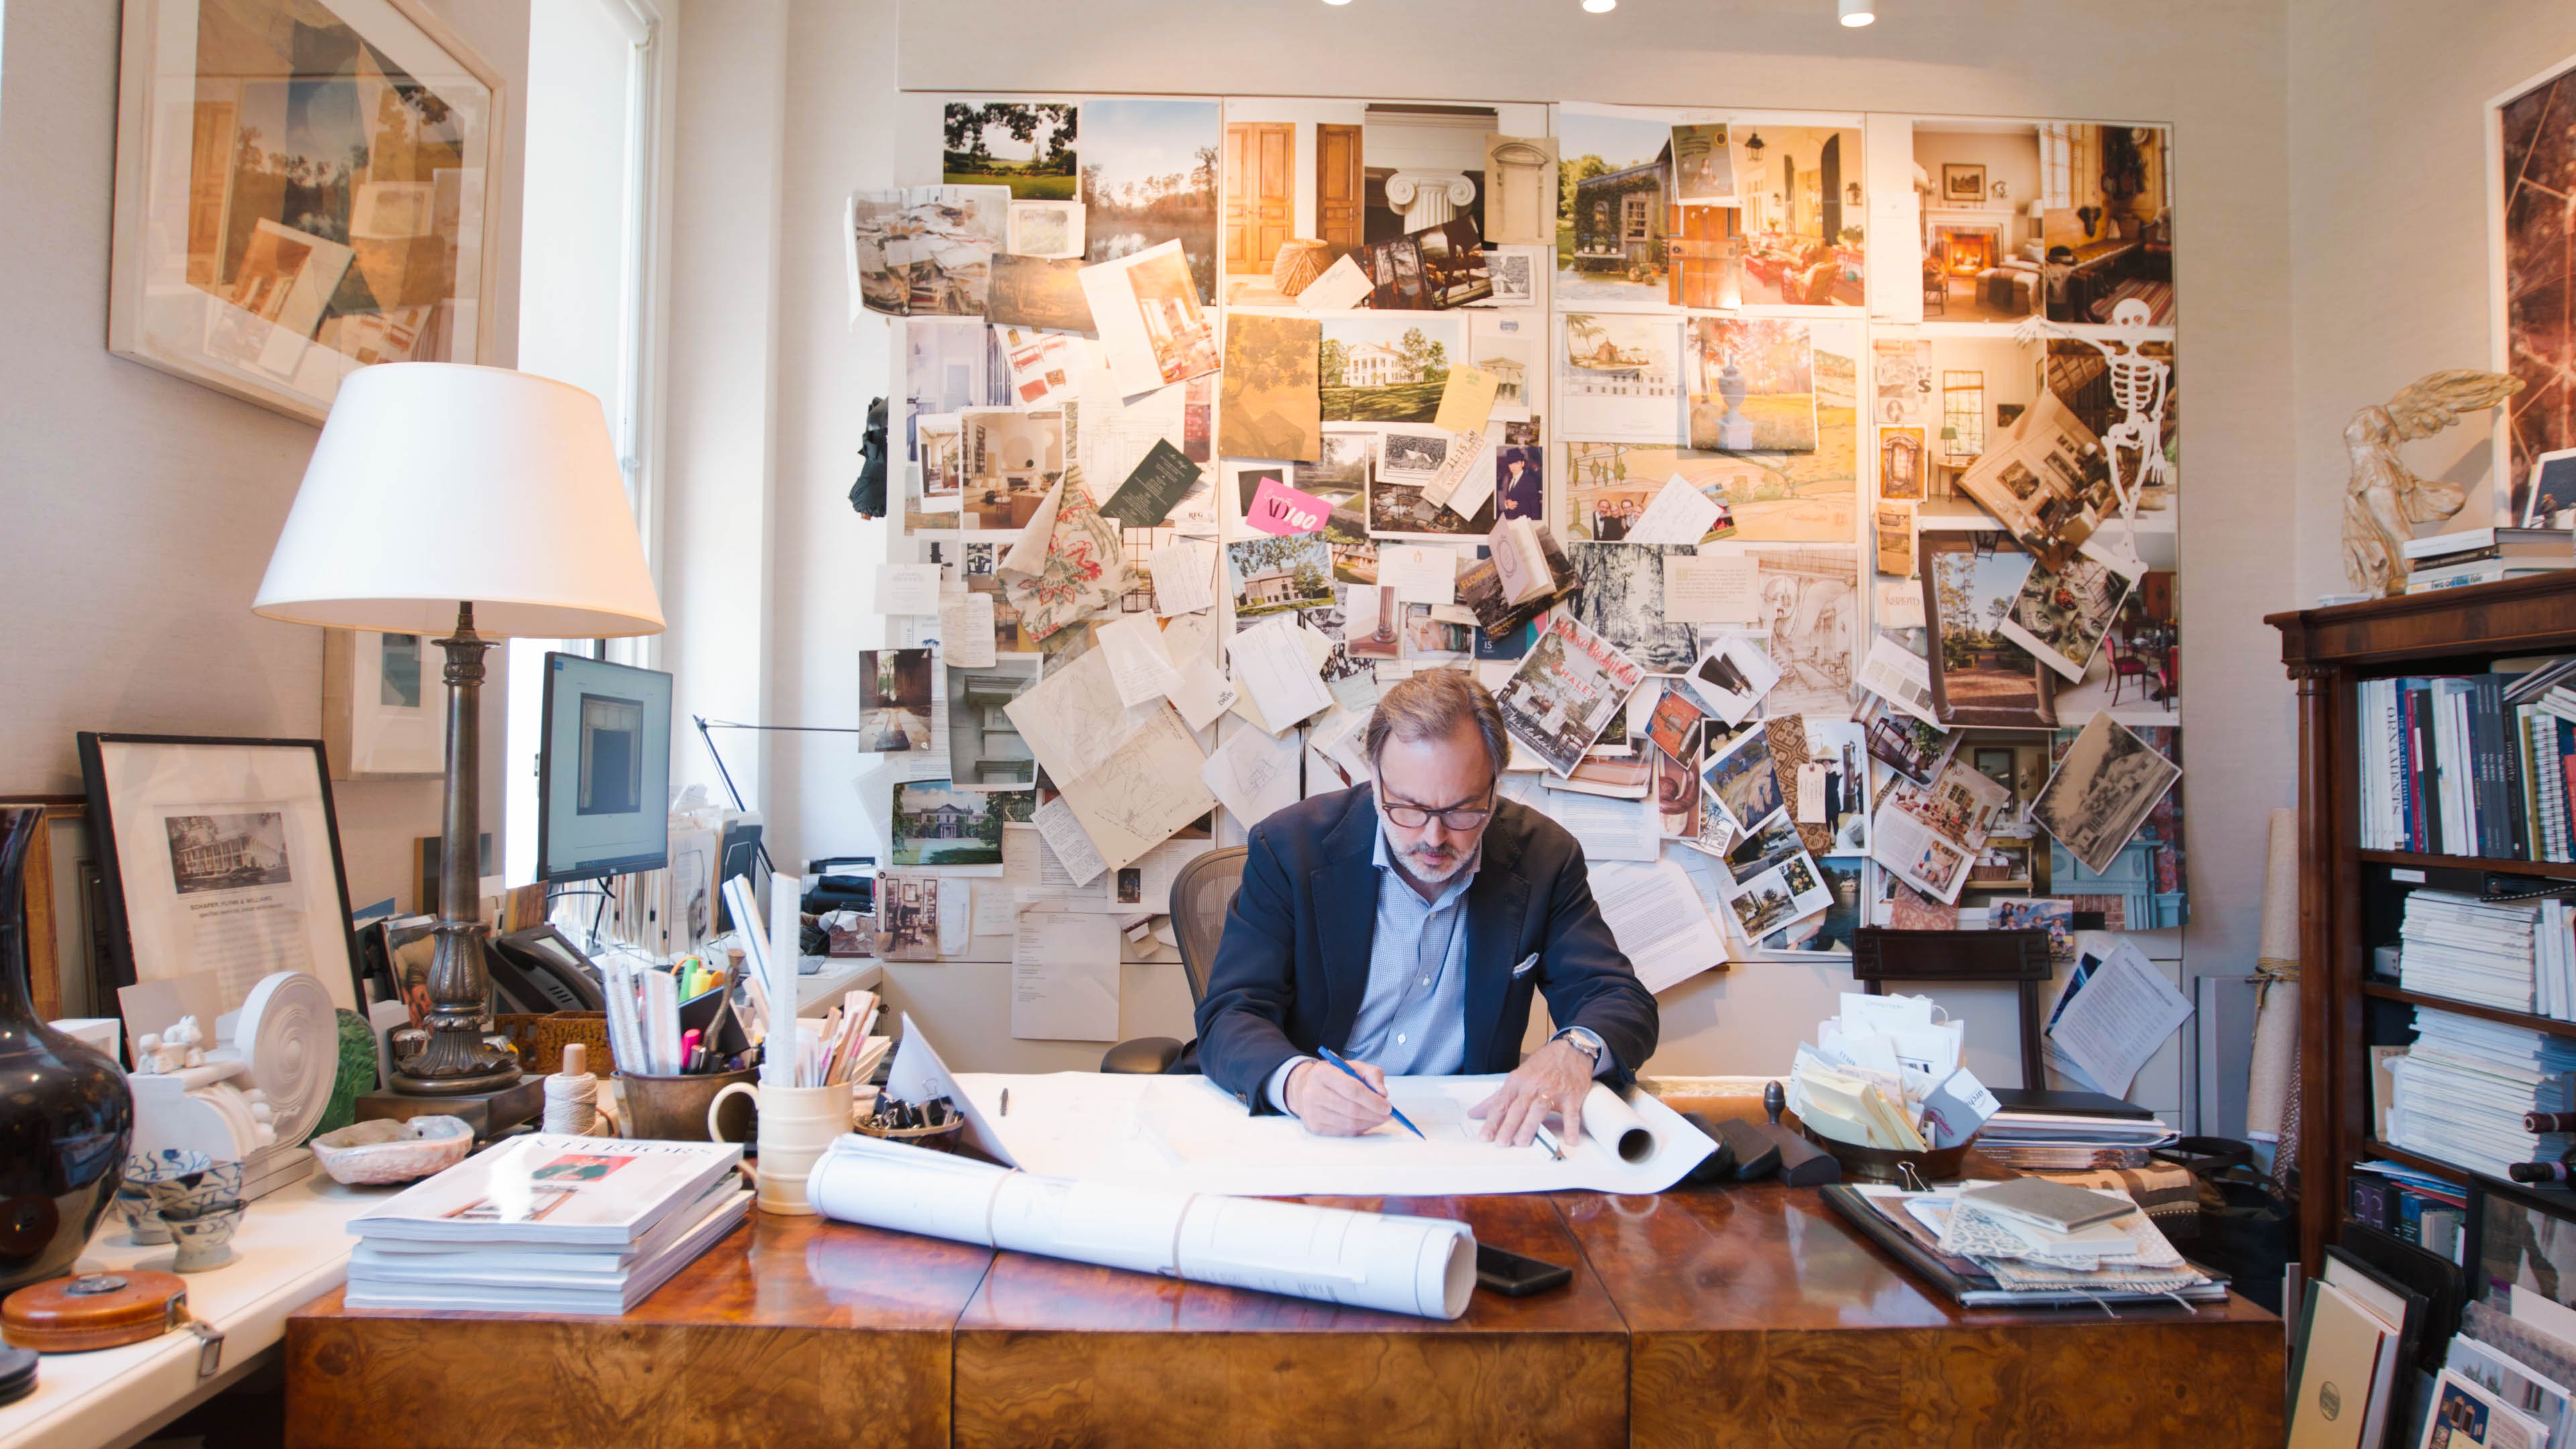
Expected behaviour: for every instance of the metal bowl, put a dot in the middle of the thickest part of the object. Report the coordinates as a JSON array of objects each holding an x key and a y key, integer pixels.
[{"x": 1882, "y": 1164}]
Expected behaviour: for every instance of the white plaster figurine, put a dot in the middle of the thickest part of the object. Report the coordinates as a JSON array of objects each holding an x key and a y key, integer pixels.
[{"x": 2385, "y": 500}]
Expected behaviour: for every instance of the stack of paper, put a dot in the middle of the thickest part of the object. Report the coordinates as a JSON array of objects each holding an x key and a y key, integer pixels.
[
  {"x": 2463, "y": 948},
  {"x": 1995, "y": 1226},
  {"x": 1885, "y": 1074},
  {"x": 2054, "y": 1142},
  {"x": 2462, "y": 1091},
  {"x": 548, "y": 1224}
]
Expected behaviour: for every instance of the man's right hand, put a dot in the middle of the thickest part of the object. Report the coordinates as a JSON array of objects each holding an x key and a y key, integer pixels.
[{"x": 1331, "y": 1103}]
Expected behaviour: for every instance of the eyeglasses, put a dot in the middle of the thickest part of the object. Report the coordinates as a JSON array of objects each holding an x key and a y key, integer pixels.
[{"x": 1414, "y": 817}]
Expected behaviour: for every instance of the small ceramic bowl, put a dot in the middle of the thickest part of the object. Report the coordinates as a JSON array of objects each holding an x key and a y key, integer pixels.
[
  {"x": 378, "y": 1151},
  {"x": 143, "y": 1225},
  {"x": 217, "y": 1184},
  {"x": 161, "y": 1166},
  {"x": 205, "y": 1239}
]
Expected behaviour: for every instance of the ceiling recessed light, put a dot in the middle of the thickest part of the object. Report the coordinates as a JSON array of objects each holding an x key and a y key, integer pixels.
[
  {"x": 1857, "y": 13},
  {"x": 1600, "y": 7},
  {"x": 1337, "y": 2}
]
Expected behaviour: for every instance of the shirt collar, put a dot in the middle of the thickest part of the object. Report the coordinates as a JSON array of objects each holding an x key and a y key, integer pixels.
[{"x": 1384, "y": 859}]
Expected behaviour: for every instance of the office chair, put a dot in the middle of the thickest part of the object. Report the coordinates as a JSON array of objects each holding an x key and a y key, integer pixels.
[
  {"x": 1201, "y": 895},
  {"x": 2018, "y": 958}
]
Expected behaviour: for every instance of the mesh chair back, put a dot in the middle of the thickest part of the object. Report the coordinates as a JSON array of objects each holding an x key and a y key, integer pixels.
[{"x": 1201, "y": 894}]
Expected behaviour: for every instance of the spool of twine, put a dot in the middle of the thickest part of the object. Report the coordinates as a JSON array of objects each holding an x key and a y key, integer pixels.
[{"x": 572, "y": 1095}]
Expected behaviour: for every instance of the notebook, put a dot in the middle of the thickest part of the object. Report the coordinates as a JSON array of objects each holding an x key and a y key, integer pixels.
[{"x": 2052, "y": 1205}]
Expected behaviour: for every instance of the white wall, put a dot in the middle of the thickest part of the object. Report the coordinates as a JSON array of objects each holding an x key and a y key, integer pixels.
[
  {"x": 137, "y": 511},
  {"x": 2212, "y": 67},
  {"x": 2388, "y": 211}
]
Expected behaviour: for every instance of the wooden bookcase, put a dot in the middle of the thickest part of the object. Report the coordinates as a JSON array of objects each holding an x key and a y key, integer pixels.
[{"x": 2328, "y": 652}]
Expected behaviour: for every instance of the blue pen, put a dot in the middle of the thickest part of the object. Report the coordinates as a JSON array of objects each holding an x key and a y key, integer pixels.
[{"x": 1335, "y": 1058}]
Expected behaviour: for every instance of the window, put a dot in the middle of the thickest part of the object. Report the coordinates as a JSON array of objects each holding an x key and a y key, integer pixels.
[
  {"x": 1635, "y": 209},
  {"x": 2056, "y": 168},
  {"x": 587, "y": 256},
  {"x": 1963, "y": 414}
]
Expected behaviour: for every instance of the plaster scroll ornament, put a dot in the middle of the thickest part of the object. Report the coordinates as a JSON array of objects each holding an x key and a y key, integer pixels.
[{"x": 2385, "y": 500}]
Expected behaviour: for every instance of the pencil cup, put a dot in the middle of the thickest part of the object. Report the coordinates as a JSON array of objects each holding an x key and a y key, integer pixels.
[
  {"x": 796, "y": 1125},
  {"x": 681, "y": 1109}
]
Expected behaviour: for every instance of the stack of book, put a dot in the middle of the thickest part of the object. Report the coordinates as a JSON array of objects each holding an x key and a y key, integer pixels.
[
  {"x": 2484, "y": 555},
  {"x": 548, "y": 1224},
  {"x": 2473, "y": 765},
  {"x": 2041, "y": 1141},
  {"x": 2466, "y": 949},
  {"x": 2414, "y": 1207},
  {"x": 2462, "y": 1090},
  {"x": 2020, "y": 1244}
]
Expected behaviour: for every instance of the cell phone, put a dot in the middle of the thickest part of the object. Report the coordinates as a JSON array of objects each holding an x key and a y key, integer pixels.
[{"x": 1514, "y": 1276}]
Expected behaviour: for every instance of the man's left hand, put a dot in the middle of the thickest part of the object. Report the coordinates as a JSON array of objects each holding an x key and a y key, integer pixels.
[{"x": 1556, "y": 1078}]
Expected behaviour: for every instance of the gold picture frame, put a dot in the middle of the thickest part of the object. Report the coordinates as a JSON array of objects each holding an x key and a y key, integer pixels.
[{"x": 296, "y": 200}]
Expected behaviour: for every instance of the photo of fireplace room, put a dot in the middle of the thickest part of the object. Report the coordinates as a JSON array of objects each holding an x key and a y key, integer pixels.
[
  {"x": 2068, "y": 216},
  {"x": 1309, "y": 181}
]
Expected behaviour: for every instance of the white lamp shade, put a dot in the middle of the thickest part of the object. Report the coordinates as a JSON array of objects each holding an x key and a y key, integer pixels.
[{"x": 436, "y": 484}]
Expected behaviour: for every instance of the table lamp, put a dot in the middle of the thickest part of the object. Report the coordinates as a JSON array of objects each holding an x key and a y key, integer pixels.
[{"x": 441, "y": 494}]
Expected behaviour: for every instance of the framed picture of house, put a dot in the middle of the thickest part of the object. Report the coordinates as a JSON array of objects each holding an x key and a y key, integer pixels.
[
  {"x": 300, "y": 192},
  {"x": 219, "y": 856},
  {"x": 1963, "y": 184},
  {"x": 2529, "y": 276}
]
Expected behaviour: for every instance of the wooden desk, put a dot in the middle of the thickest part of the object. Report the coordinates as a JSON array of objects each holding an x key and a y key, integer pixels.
[{"x": 1746, "y": 1315}]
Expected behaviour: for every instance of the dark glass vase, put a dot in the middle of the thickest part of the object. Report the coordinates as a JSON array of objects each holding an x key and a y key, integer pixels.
[{"x": 66, "y": 1115}]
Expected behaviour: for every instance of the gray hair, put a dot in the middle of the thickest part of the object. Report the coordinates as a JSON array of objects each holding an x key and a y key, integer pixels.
[{"x": 1432, "y": 705}]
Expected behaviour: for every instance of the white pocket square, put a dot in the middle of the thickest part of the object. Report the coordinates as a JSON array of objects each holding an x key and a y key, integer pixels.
[{"x": 1526, "y": 966}]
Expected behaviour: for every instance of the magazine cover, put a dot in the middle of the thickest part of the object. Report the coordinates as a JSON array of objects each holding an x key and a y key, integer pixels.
[
  {"x": 554, "y": 1189},
  {"x": 1566, "y": 692}
]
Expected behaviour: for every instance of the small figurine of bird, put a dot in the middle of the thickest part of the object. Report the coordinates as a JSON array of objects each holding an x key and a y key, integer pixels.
[{"x": 2385, "y": 499}]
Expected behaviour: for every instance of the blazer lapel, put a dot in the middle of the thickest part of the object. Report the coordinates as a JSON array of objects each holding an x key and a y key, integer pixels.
[
  {"x": 1343, "y": 895},
  {"x": 1496, "y": 905}
]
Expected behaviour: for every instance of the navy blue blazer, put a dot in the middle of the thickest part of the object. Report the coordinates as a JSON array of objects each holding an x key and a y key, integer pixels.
[{"x": 1294, "y": 961}]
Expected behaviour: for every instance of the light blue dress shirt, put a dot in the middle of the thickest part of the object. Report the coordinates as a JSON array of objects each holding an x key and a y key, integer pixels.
[{"x": 1412, "y": 1019}]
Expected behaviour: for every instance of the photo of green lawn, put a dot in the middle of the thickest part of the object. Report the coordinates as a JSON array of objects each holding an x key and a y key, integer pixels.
[{"x": 1029, "y": 148}]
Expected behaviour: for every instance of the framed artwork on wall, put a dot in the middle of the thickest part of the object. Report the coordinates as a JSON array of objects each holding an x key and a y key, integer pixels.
[
  {"x": 2531, "y": 311},
  {"x": 1963, "y": 184},
  {"x": 383, "y": 706},
  {"x": 300, "y": 192}
]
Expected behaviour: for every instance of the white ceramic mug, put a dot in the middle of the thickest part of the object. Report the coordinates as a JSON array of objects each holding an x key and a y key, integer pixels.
[{"x": 796, "y": 1124}]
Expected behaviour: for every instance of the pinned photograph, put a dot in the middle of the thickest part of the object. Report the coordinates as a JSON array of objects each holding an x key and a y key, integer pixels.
[
  {"x": 2062, "y": 615},
  {"x": 1802, "y": 223},
  {"x": 1520, "y": 190},
  {"x": 1275, "y": 575},
  {"x": 1622, "y": 600},
  {"x": 1373, "y": 622},
  {"x": 1151, "y": 323},
  {"x": 1566, "y": 691},
  {"x": 1814, "y": 613},
  {"x": 1900, "y": 377},
  {"x": 1405, "y": 456},
  {"x": 1618, "y": 377},
  {"x": 1614, "y": 206},
  {"x": 1010, "y": 459},
  {"x": 1508, "y": 347},
  {"x": 907, "y": 917},
  {"x": 1269, "y": 403},
  {"x": 1026, "y": 146},
  {"x": 1149, "y": 176},
  {"x": 1674, "y": 725},
  {"x": 935, "y": 824},
  {"x": 1036, "y": 292},
  {"x": 1431, "y": 640},
  {"x": 1703, "y": 166},
  {"x": 1828, "y": 933},
  {"x": 943, "y": 465},
  {"x": 1048, "y": 229},
  {"x": 1741, "y": 782},
  {"x": 985, "y": 751},
  {"x": 1930, "y": 835},
  {"x": 1752, "y": 385},
  {"x": 1386, "y": 369},
  {"x": 1520, "y": 483},
  {"x": 1513, "y": 273},
  {"x": 2046, "y": 479},
  {"x": 2102, "y": 791},
  {"x": 1823, "y": 766},
  {"x": 1676, "y": 796},
  {"x": 1900, "y": 464},
  {"x": 1395, "y": 275},
  {"x": 1398, "y": 510},
  {"x": 2027, "y": 913},
  {"x": 1731, "y": 678},
  {"x": 1768, "y": 901},
  {"x": 1914, "y": 749},
  {"x": 949, "y": 365},
  {"x": 1452, "y": 261},
  {"x": 1979, "y": 676},
  {"x": 894, "y": 699}
]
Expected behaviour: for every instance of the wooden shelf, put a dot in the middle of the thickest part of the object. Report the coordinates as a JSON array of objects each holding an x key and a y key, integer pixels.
[
  {"x": 2457, "y": 1173},
  {"x": 2385, "y": 992},
  {"x": 2554, "y": 869}
]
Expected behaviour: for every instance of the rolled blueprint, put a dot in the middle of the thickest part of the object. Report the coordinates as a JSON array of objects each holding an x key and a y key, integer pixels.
[
  {"x": 2276, "y": 1012},
  {"x": 1610, "y": 1121},
  {"x": 1423, "y": 1266}
]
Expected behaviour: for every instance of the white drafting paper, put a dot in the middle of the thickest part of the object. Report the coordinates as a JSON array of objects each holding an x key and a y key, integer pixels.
[
  {"x": 1712, "y": 589},
  {"x": 1655, "y": 913},
  {"x": 1253, "y": 773},
  {"x": 1388, "y": 1262},
  {"x": 1064, "y": 977},
  {"x": 1273, "y": 668},
  {"x": 1202, "y": 695},
  {"x": 1184, "y": 573},
  {"x": 1678, "y": 513},
  {"x": 1073, "y": 718},
  {"x": 2118, "y": 1019},
  {"x": 1900, "y": 604},
  {"x": 1419, "y": 573},
  {"x": 1149, "y": 787},
  {"x": 1898, "y": 675},
  {"x": 966, "y": 630},
  {"x": 1342, "y": 285},
  {"x": 1138, "y": 665},
  {"x": 1066, "y": 845},
  {"x": 1187, "y": 1134},
  {"x": 996, "y": 902},
  {"x": 957, "y": 914},
  {"x": 907, "y": 588}
]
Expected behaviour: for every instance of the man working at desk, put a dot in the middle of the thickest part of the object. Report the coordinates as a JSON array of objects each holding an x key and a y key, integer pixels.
[{"x": 1405, "y": 923}]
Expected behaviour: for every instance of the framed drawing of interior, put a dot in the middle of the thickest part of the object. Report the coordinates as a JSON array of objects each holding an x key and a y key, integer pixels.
[
  {"x": 2529, "y": 175},
  {"x": 219, "y": 856},
  {"x": 300, "y": 192}
]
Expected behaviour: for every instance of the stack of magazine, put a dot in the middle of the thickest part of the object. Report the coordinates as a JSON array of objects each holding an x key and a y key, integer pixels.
[
  {"x": 2027, "y": 1242},
  {"x": 548, "y": 1224},
  {"x": 2466, "y": 949},
  {"x": 2463, "y": 1089}
]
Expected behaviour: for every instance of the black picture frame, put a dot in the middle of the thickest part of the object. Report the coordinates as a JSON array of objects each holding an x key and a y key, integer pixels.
[
  {"x": 117, "y": 962},
  {"x": 2484, "y": 1194}
]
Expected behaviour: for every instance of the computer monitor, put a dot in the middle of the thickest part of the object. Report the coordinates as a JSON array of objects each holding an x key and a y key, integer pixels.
[{"x": 603, "y": 771}]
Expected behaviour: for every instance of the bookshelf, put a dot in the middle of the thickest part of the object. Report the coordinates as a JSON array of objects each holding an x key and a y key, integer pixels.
[{"x": 2327, "y": 652}]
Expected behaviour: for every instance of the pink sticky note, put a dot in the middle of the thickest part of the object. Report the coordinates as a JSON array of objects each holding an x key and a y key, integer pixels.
[{"x": 1278, "y": 508}]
